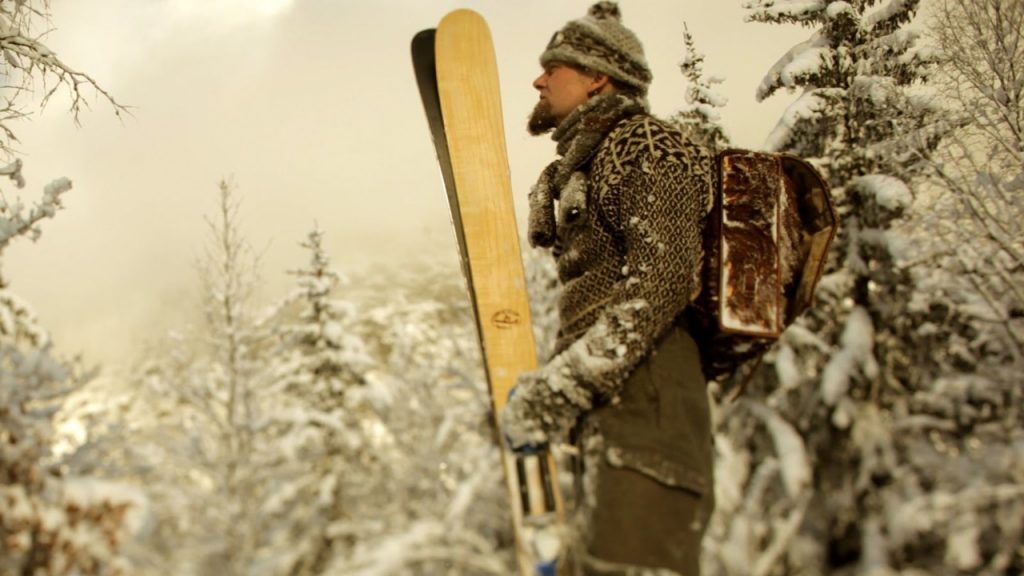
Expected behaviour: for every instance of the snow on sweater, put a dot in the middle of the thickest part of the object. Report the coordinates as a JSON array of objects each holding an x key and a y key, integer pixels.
[{"x": 622, "y": 210}]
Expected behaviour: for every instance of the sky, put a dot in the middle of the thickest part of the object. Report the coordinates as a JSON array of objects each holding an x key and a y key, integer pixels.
[{"x": 310, "y": 108}]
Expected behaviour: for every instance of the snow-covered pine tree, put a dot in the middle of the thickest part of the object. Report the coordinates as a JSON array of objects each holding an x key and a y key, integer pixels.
[
  {"x": 49, "y": 524},
  {"x": 330, "y": 427},
  {"x": 700, "y": 119},
  {"x": 808, "y": 457},
  {"x": 447, "y": 511},
  {"x": 424, "y": 495}
]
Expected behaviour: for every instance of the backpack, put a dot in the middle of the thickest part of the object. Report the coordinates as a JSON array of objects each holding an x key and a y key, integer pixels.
[{"x": 766, "y": 241}]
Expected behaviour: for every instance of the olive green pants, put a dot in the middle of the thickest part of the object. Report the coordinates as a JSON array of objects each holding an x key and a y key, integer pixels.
[{"x": 644, "y": 490}]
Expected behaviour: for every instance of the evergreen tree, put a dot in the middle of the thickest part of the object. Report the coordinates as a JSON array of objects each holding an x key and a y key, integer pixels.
[
  {"x": 446, "y": 508},
  {"x": 372, "y": 449},
  {"x": 810, "y": 455},
  {"x": 49, "y": 524},
  {"x": 330, "y": 426},
  {"x": 700, "y": 120}
]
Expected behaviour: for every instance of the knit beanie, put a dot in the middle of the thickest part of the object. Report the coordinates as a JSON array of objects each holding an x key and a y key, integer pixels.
[{"x": 599, "y": 42}]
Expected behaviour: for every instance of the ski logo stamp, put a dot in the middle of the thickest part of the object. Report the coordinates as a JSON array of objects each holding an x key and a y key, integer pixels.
[{"x": 505, "y": 319}]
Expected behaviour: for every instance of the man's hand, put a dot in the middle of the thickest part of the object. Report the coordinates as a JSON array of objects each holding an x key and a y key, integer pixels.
[
  {"x": 544, "y": 403},
  {"x": 523, "y": 433}
]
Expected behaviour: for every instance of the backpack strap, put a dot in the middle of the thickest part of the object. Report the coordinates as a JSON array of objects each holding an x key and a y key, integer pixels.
[{"x": 819, "y": 224}]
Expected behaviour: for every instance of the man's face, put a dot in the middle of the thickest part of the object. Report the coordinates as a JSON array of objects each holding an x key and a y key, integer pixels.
[{"x": 562, "y": 88}]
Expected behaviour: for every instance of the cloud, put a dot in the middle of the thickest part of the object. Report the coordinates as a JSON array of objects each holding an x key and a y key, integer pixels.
[{"x": 225, "y": 13}]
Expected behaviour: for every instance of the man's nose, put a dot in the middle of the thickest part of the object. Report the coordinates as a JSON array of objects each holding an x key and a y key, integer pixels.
[{"x": 541, "y": 81}]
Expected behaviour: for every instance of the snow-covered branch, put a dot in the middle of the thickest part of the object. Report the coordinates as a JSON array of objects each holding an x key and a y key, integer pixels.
[
  {"x": 797, "y": 66},
  {"x": 15, "y": 220},
  {"x": 29, "y": 61},
  {"x": 795, "y": 11},
  {"x": 889, "y": 14}
]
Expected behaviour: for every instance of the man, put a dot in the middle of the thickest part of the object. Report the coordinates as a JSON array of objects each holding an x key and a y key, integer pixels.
[{"x": 622, "y": 210}]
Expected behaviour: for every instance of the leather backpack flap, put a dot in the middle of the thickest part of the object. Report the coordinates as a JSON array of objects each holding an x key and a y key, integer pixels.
[{"x": 750, "y": 283}]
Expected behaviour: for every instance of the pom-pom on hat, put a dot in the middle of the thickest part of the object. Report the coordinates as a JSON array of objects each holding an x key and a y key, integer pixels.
[{"x": 599, "y": 42}]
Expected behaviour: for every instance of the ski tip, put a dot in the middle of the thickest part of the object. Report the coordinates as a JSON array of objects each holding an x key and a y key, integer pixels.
[
  {"x": 462, "y": 17},
  {"x": 423, "y": 35},
  {"x": 423, "y": 38}
]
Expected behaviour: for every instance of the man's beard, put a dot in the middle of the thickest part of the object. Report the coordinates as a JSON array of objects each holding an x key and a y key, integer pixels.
[{"x": 541, "y": 120}]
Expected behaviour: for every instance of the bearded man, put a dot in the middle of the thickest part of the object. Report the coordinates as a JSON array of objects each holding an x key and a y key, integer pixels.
[{"x": 622, "y": 210}]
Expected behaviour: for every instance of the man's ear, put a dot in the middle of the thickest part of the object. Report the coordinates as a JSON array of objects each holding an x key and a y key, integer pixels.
[{"x": 598, "y": 83}]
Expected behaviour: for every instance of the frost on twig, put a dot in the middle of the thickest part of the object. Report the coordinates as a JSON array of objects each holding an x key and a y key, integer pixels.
[
  {"x": 16, "y": 220},
  {"x": 26, "y": 62}
]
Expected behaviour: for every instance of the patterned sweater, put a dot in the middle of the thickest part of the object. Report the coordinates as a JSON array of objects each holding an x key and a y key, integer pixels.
[{"x": 622, "y": 210}]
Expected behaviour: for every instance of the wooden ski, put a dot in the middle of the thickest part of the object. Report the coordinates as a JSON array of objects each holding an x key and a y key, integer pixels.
[{"x": 458, "y": 81}]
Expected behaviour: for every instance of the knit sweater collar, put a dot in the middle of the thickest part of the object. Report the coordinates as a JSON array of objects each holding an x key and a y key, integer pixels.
[
  {"x": 588, "y": 124},
  {"x": 578, "y": 137}
]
